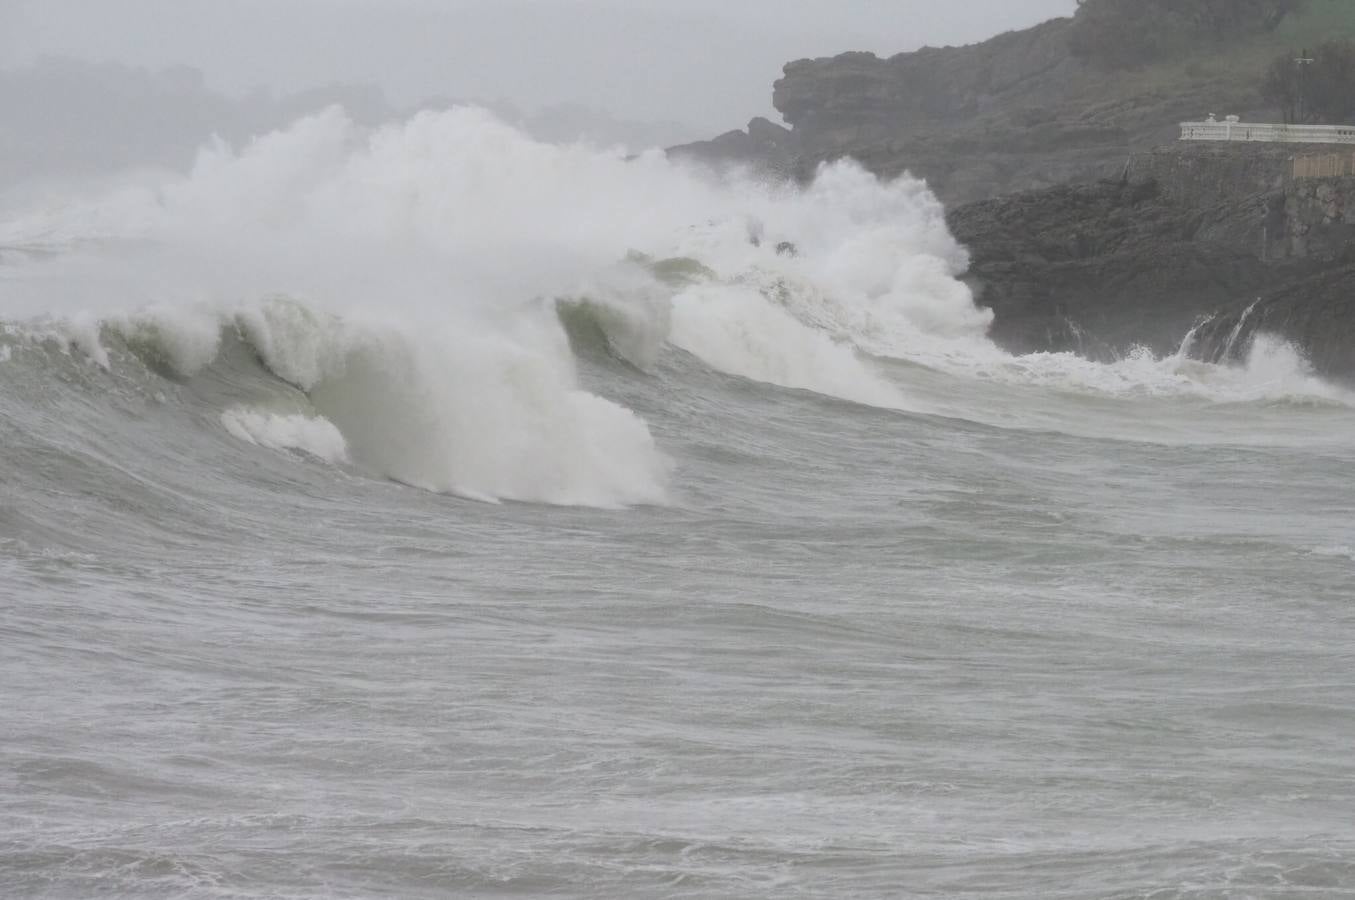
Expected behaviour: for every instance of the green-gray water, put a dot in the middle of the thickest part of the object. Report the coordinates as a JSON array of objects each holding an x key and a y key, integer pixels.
[{"x": 779, "y": 602}]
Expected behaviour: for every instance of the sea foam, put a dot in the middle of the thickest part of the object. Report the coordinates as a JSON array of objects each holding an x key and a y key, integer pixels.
[
  {"x": 404, "y": 279},
  {"x": 407, "y": 280}
]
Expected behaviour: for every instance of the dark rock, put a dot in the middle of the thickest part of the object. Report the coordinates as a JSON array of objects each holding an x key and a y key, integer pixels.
[
  {"x": 1107, "y": 232},
  {"x": 764, "y": 146},
  {"x": 1100, "y": 268},
  {"x": 1014, "y": 113},
  {"x": 1315, "y": 312}
]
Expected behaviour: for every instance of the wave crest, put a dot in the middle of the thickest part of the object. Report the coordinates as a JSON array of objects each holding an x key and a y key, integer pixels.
[{"x": 421, "y": 283}]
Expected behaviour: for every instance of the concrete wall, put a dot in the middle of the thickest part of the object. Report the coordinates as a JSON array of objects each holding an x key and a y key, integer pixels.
[{"x": 1248, "y": 196}]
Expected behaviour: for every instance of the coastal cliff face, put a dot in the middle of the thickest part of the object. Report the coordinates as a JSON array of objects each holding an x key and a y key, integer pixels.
[
  {"x": 974, "y": 121},
  {"x": 857, "y": 95},
  {"x": 1018, "y": 112},
  {"x": 1022, "y": 110},
  {"x": 1099, "y": 268},
  {"x": 1091, "y": 227},
  {"x": 1222, "y": 235}
]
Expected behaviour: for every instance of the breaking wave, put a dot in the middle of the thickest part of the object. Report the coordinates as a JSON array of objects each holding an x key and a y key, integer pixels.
[{"x": 419, "y": 286}]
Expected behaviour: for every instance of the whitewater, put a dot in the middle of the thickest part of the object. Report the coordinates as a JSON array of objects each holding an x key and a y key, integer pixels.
[{"x": 428, "y": 511}]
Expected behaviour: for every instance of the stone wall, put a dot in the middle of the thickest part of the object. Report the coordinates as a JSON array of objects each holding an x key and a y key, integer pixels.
[
  {"x": 1202, "y": 176},
  {"x": 1247, "y": 196},
  {"x": 1320, "y": 217}
]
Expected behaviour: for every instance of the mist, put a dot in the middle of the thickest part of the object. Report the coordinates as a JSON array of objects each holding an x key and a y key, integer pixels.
[
  {"x": 707, "y": 64},
  {"x": 90, "y": 85}
]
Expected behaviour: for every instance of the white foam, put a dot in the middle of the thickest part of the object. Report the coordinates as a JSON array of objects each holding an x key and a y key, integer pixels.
[
  {"x": 316, "y": 436},
  {"x": 1274, "y": 370},
  {"x": 82, "y": 332},
  {"x": 187, "y": 339},
  {"x": 738, "y": 330},
  {"x": 483, "y": 415},
  {"x": 422, "y": 259},
  {"x": 456, "y": 214},
  {"x": 416, "y": 256}
]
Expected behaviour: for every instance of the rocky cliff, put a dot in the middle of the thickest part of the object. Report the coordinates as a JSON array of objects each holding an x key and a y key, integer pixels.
[
  {"x": 1315, "y": 311},
  {"x": 1018, "y": 112},
  {"x": 1223, "y": 235},
  {"x": 1091, "y": 227}
]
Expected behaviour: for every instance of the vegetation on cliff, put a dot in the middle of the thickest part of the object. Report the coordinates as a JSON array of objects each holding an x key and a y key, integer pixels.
[{"x": 1119, "y": 33}]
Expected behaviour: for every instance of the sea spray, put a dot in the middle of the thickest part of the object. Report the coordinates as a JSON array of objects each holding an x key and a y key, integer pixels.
[
  {"x": 1192, "y": 338},
  {"x": 315, "y": 436},
  {"x": 412, "y": 280},
  {"x": 403, "y": 279},
  {"x": 1230, "y": 346}
]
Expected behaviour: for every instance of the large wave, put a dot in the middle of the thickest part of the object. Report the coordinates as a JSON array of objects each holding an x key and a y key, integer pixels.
[
  {"x": 407, "y": 280},
  {"x": 415, "y": 260}
]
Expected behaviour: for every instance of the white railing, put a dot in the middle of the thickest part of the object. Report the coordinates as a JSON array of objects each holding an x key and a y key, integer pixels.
[{"x": 1215, "y": 130}]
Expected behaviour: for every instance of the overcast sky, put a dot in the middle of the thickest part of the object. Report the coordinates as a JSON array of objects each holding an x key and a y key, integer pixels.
[{"x": 707, "y": 63}]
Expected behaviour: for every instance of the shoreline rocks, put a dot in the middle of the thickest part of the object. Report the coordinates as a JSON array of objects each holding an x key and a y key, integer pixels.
[{"x": 1099, "y": 268}]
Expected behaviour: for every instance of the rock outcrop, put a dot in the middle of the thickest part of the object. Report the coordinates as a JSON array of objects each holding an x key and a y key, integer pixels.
[
  {"x": 763, "y": 146},
  {"x": 1316, "y": 312},
  {"x": 1186, "y": 235},
  {"x": 1091, "y": 227},
  {"x": 1017, "y": 112},
  {"x": 1098, "y": 268}
]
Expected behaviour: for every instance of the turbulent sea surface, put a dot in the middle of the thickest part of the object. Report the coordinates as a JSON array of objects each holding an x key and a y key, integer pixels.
[{"x": 432, "y": 513}]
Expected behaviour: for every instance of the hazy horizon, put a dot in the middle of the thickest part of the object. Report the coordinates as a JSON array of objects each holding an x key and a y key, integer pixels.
[{"x": 707, "y": 65}]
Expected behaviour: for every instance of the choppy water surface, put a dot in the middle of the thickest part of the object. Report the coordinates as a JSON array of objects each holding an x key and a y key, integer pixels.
[{"x": 693, "y": 569}]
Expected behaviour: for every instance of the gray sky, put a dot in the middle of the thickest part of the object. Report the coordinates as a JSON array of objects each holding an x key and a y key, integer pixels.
[{"x": 708, "y": 63}]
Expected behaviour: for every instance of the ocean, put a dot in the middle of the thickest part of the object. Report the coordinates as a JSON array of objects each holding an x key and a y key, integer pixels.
[{"x": 430, "y": 512}]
